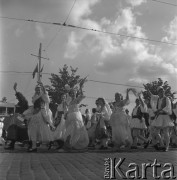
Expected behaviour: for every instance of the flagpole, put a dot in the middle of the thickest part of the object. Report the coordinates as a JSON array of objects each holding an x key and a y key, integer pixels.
[{"x": 39, "y": 69}]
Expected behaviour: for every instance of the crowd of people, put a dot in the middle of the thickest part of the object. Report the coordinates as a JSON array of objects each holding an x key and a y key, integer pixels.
[{"x": 107, "y": 126}]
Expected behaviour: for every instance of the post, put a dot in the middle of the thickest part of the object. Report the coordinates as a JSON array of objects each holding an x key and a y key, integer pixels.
[{"x": 39, "y": 68}]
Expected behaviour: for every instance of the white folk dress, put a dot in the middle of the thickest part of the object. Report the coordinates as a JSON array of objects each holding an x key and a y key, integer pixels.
[
  {"x": 75, "y": 127},
  {"x": 121, "y": 132},
  {"x": 38, "y": 126}
]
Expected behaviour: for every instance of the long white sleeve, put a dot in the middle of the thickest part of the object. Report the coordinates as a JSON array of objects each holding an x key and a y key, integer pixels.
[
  {"x": 168, "y": 108},
  {"x": 153, "y": 102}
]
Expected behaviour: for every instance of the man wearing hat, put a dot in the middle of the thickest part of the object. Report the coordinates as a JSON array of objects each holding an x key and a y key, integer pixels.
[{"x": 162, "y": 119}]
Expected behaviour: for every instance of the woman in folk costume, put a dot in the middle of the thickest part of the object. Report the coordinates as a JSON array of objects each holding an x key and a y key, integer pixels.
[
  {"x": 121, "y": 132},
  {"x": 76, "y": 136},
  {"x": 151, "y": 129},
  {"x": 91, "y": 130},
  {"x": 40, "y": 121},
  {"x": 103, "y": 115},
  {"x": 138, "y": 123},
  {"x": 87, "y": 119},
  {"x": 174, "y": 130},
  {"x": 162, "y": 120},
  {"x": 59, "y": 122}
]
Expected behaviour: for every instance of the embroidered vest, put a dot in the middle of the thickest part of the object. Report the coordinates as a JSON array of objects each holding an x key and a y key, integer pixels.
[
  {"x": 139, "y": 114},
  {"x": 163, "y": 105}
]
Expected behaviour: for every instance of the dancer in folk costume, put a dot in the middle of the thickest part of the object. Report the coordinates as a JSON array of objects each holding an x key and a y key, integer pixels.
[
  {"x": 40, "y": 120},
  {"x": 76, "y": 136},
  {"x": 138, "y": 123},
  {"x": 121, "y": 132},
  {"x": 151, "y": 129},
  {"x": 87, "y": 118},
  {"x": 103, "y": 114},
  {"x": 92, "y": 129},
  {"x": 162, "y": 120},
  {"x": 17, "y": 130},
  {"x": 174, "y": 130},
  {"x": 59, "y": 122}
]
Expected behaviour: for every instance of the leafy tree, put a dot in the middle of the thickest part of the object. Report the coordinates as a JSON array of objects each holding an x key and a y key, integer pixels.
[
  {"x": 58, "y": 83},
  {"x": 152, "y": 86}
]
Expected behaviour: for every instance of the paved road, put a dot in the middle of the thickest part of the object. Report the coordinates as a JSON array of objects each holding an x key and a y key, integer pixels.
[{"x": 89, "y": 165}]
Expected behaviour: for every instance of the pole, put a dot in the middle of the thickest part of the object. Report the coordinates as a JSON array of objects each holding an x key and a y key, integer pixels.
[{"x": 39, "y": 68}]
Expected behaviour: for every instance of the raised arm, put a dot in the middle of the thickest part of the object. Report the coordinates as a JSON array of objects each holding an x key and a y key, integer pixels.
[
  {"x": 143, "y": 105},
  {"x": 126, "y": 101}
]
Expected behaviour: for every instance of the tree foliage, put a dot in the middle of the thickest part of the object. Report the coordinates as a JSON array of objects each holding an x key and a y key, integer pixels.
[
  {"x": 58, "y": 82},
  {"x": 152, "y": 86}
]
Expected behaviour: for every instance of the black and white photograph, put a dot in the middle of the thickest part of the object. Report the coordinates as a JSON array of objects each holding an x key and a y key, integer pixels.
[{"x": 88, "y": 89}]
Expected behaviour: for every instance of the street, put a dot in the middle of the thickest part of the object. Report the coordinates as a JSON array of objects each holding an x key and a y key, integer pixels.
[{"x": 88, "y": 165}]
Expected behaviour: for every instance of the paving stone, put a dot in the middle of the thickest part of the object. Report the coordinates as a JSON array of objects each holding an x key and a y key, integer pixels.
[{"x": 49, "y": 165}]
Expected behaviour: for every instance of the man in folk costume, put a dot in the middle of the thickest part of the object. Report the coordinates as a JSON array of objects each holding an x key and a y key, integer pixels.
[
  {"x": 138, "y": 123},
  {"x": 162, "y": 121},
  {"x": 17, "y": 131}
]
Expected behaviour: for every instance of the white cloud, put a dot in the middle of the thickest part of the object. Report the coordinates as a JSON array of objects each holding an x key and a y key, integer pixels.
[
  {"x": 135, "y": 2},
  {"x": 138, "y": 59},
  {"x": 72, "y": 46},
  {"x": 171, "y": 31},
  {"x": 82, "y": 9},
  {"x": 18, "y": 32},
  {"x": 39, "y": 31}
]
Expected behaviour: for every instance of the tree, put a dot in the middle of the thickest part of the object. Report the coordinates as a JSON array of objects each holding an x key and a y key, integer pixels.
[
  {"x": 58, "y": 83},
  {"x": 153, "y": 88}
]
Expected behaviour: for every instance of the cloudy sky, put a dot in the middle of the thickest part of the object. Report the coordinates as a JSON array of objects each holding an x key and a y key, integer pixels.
[{"x": 104, "y": 57}]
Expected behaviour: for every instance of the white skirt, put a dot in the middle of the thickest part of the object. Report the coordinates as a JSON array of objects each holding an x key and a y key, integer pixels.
[
  {"x": 60, "y": 130},
  {"x": 38, "y": 129},
  {"x": 163, "y": 121},
  {"x": 136, "y": 123}
]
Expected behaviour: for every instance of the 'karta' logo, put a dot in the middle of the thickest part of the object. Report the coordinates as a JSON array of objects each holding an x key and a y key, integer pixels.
[{"x": 119, "y": 169}]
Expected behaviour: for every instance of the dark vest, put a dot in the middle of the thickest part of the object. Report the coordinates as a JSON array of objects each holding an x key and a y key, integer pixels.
[
  {"x": 163, "y": 105},
  {"x": 139, "y": 114}
]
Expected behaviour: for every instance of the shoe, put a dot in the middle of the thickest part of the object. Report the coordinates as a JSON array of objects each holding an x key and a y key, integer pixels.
[
  {"x": 146, "y": 144},
  {"x": 156, "y": 147},
  {"x": 32, "y": 150},
  {"x": 103, "y": 148},
  {"x": 111, "y": 145},
  {"x": 50, "y": 145},
  {"x": 9, "y": 148},
  {"x": 134, "y": 147},
  {"x": 166, "y": 149},
  {"x": 61, "y": 150},
  {"x": 162, "y": 148}
]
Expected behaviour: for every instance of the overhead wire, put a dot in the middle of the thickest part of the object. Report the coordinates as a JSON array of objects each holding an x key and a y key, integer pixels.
[
  {"x": 103, "y": 82},
  {"x": 90, "y": 29},
  {"x": 162, "y": 2},
  {"x": 54, "y": 37}
]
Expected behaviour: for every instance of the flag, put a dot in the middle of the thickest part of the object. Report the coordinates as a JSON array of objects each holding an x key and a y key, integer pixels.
[
  {"x": 41, "y": 71},
  {"x": 42, "y": 68},
  {"x": 35, "y": 71}
]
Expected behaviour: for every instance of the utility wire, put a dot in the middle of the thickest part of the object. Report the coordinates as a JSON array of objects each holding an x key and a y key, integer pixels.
[
  {"x": 89, "y": 29},
  {"x": 164, "y": 3},
  {"x": 88, "y": 79},
  {"x": 115, "y": 84},
  {"x": 60, "y": 27},
  {"x": 70, "y": 11}
]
